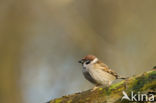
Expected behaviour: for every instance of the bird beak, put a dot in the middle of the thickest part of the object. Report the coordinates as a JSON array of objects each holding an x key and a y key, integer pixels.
[{"x": 81, "y": 61}]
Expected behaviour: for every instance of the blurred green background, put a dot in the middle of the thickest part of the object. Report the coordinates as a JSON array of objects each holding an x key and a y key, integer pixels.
[{"x": 41, "y": 42}]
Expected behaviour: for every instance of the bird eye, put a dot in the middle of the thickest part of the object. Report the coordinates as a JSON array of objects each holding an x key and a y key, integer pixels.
[{"x": 88, "y": 61}]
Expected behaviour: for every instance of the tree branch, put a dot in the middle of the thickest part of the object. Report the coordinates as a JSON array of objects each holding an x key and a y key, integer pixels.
[{"x": 143, "y": 83}]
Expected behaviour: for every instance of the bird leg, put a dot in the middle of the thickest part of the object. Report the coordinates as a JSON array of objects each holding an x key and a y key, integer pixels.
[{"x": 96, "y": 87}]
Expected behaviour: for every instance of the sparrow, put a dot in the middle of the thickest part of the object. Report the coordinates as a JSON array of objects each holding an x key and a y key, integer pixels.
[{"x": 97, "y": 72}]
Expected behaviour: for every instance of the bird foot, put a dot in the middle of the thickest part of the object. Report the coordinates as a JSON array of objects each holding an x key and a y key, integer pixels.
[{"x": 94, "y": 88}]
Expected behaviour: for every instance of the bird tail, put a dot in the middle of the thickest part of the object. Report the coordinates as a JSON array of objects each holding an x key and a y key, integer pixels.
[{"x": 119, "y": 77}]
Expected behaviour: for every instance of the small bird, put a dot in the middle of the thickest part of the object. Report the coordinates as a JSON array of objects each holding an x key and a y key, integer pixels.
[{"x": 97, "y": 72}]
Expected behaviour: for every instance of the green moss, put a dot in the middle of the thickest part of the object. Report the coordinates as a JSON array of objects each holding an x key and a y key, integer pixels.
[
  {"x": 116, "y": 85},
  {"x": 87, "y": 98},
  {"x": 152, "y": 76},
  {"x": 100, "y": 89},
  {"x": 143, "y": 80},
  {"x": 140, "y": 82},
  {"x": 58, "y": 100},
  {"x": 69, "y": 101},
  {"x": 152, "y": 79},
  {"x": 150, "y": 85}
]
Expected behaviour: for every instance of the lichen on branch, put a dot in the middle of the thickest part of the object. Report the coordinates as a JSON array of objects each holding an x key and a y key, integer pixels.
[{"x": 145, "y": 83}]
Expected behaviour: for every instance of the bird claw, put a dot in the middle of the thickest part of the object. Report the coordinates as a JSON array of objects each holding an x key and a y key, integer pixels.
[{"x": 96, "y": 87}]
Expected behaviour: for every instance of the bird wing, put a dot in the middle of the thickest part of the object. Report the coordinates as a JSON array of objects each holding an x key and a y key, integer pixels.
[{"x": 105, "y": 68}]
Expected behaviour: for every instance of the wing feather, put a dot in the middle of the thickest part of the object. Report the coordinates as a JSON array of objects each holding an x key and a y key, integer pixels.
[{"x": 105, "y": 68}]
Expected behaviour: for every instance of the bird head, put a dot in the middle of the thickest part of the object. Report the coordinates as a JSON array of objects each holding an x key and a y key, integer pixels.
[{"x": 89, "y": 59}]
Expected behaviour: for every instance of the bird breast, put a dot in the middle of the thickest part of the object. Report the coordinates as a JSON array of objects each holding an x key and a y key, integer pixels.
[{"x": 99, "y": 76}]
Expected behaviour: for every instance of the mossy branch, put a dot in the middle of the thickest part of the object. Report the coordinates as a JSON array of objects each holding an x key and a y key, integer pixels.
[{"x": 143, "y": 83}]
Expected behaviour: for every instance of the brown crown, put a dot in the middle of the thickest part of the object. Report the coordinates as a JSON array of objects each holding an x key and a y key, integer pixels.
[{"x": 89, "y": 57}]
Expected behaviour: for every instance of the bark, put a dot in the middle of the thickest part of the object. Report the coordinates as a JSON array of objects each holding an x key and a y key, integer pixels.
[{"x": 142, "y": 83}]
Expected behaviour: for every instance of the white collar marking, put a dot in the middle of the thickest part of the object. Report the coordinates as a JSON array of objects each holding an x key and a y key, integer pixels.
[{"x": 94, "y": 61}]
